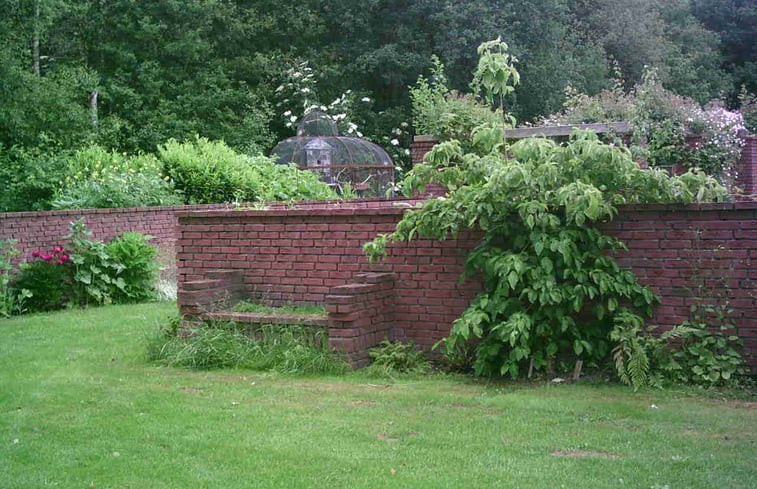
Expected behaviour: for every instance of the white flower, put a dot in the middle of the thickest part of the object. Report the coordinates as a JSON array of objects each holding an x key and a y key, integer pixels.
[
  {"x": 407, "y": 151},
  {"x": 365, "y": 99},
  {"x": 394, "y": 142},
  {"x": 359, "y": 134},
  {"x": 296, "y": 74},
  {"x": 288, "y": 113},
  {"x": 293, "y": 118},
  {"x": 305, "y": 90},
  {"x": 403, "y": 124}
]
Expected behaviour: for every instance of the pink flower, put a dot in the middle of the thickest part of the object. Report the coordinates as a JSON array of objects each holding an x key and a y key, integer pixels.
[
  {"x": 36, "y": 253},
  {"x": 57, "y": 249}
]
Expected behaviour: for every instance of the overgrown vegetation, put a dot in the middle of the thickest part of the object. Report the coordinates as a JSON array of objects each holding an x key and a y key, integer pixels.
[
  {"x": 553, "y": 294},
  {"x": 660, "y": 122},
  {"x": 289, "y": 349},
  {"x": 246, "y": 306},
  {"x": 129, "y": 76},
  {"x": 389, "y": 359},
  {"x": 81, "y": 273},
  {"x": 210, "y": 171}
]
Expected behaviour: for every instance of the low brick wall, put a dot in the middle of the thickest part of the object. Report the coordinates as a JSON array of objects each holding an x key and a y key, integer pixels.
[
  {"x": 303, "y": 256},
  {"x": 361, "y": 314},
  {"x": 45, "y": 230}
]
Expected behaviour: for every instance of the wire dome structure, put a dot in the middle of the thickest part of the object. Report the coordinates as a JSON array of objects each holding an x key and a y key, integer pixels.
[{"x": 340, "y": 160}]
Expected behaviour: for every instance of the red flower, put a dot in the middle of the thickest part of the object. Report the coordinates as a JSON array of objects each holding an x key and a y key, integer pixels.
[{"x": 36, "y": 253}]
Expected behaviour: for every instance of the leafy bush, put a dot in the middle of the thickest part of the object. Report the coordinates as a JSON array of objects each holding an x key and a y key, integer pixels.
[
  {"x": 30, "y": 179},
  {"x": 117, "y": 190},
  {"x": 211, "y": 172},
  {"x": 95, "y": 272},
  {"x": 96, "y": 178},
  {"x": 706, "y": 357},
  {"x": 280, "y": 348},
  {"x": 47, "y": 280},
  {"x": 660, "y": 122},
  {"x": 11, "y": 299},
  {"x": 139, "y": 269},
  {"x": 397, "y": 358},
  {"x": 446, "y": 114},
  {"x": 550, "y": 287}
]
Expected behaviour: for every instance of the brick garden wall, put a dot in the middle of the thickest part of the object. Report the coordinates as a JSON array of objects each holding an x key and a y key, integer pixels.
[
  {"x": 45, "y": 230},
  {"x": 301, "y": 256}
]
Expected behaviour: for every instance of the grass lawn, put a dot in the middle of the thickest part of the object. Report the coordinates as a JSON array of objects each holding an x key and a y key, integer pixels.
[{"x": 80, "y": 407}]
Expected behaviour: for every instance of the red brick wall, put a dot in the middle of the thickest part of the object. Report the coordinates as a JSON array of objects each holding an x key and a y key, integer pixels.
[
  {"x": 688, "y": 251},
  {"x": 299, "y": 256},
  {"x": 45, "y": 230}
]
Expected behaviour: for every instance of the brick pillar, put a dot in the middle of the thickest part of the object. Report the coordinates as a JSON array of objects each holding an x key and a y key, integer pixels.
[
  {"x": 747, "y": 168},
  {"x": 361, "y": 315},
  {"x": 418, "y": 149}
]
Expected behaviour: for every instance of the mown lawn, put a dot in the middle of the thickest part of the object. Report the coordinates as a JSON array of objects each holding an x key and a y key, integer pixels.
[{"x": 80, "y": 407}]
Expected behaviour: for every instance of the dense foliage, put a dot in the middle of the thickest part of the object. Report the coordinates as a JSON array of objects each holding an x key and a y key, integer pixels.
[
  {"x": 551, "y": 289},
  {"x": 131, "y": 75},
  {"x": 210, "y": 171},
  {"x": 660, "y": 122},
  {"x": 81, "y": 273}
]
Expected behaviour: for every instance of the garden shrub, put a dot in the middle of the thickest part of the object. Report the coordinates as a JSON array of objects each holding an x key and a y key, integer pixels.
[
  {"x": 95, "y": 274},
  {"x": 660, "y": 121},
  {"x": 11, "y": 298},
  {"x": 211, "y": 172},
  {"x": 446, "y": 114},
  {"x": 47, "y": 280},
  {"x": 551, "y": 288},
  {"x": 139, "y": 269},
  {"x": 96, "y": 178},
  {"x": 30, "y": 179}
]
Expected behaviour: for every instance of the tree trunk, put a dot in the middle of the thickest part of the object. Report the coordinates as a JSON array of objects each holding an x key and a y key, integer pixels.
[
  {"x": 93, "y": 107},
  {"x": 35, "y": 40}
]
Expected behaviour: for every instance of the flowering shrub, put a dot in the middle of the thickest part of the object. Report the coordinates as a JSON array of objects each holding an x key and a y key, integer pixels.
[
  {"x": 660, "y": 122},
  {"x": 96, "y": 178},
  {"x": 720, "y": 148},
  {"x": 47, "y": 279}
]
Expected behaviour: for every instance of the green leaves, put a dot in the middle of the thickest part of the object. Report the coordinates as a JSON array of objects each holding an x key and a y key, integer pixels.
[{"x": 495, "y": 74}]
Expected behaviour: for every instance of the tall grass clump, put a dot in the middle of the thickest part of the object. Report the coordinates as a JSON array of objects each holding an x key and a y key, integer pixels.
[{"x": 288, "y": 349}]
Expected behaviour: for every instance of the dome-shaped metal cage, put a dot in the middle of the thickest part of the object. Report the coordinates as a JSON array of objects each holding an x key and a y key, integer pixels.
[{"x": 340, "y": 160}]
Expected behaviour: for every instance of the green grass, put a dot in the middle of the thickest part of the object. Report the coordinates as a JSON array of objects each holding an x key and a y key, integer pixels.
[
  {"x": 244, "y": 306},
  {"x": 291, "y": 349},
  {"x": 81, "y": 407}
]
